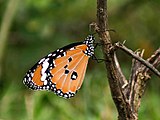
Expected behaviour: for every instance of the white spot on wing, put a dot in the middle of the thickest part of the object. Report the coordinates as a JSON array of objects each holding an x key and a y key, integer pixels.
[
  {"x": 24, "y": 80},
  {"x": 74, "y": 76},
  {"x": 58, "y": 91},
  {"x": 43, "y": 77},
  {"x": 41, "y": 60},
  {"x": 72, "y": 48},
  {"x": 58, "y": 56},
  {"x": 45, "y": 82},
  {"x": 54, "y": 55},
  {"x": 49, "y": 55},
  {"x": 29, "y": 79},
  {"x": 44, "y": 68},
  {"x": 65, "y": 96},
  {"x": 64, "y": 53},
  {"x": 47, "y": 87}
]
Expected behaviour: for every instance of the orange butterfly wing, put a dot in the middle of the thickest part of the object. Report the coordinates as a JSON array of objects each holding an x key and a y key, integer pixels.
[
  {"x": 63, "y": 70},
  {"x": 69, "y": 73}
]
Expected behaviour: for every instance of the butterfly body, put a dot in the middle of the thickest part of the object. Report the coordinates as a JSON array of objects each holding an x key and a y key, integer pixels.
[{"x": 63, "y": 70}]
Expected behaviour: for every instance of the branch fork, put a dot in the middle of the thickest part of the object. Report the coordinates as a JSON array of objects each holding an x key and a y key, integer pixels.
[{"x": 126, "y": 94}]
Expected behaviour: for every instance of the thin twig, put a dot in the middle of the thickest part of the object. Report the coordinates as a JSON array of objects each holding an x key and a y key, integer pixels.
[
  {"x": 130, "y": 52},
  {"x": 135, "y": 65},
  {"x": 154, "y": 60},
  {"x": 154, "y": 56}
]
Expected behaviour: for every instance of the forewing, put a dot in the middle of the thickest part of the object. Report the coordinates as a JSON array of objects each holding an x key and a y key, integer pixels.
[{"x": 61, "y": 71}]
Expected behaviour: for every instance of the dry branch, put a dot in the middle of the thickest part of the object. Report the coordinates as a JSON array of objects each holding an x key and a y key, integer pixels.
[
  {"x": 140, "y": 59},
  {"x": 126, "y": 94},
  {"x": 114, "y": 73}
]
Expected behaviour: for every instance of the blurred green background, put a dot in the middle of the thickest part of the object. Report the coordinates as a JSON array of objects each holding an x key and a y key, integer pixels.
[{"x": 33, "y": 28}]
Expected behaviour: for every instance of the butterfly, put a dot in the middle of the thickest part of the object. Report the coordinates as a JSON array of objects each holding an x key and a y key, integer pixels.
[{"x": 63, "y": 70}]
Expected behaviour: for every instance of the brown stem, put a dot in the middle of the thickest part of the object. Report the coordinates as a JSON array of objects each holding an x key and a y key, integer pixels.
[
  {"x": 126, "y": 94},
  {"x": 115, "y": 76}
]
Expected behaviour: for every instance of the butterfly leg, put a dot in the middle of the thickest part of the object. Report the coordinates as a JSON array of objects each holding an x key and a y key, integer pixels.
[
  {"x": 97, "y": 60},
  {"x": 97, "y": 44}
]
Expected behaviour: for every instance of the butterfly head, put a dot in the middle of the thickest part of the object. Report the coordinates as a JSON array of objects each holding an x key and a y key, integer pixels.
[{"x": 89, "y": 41}]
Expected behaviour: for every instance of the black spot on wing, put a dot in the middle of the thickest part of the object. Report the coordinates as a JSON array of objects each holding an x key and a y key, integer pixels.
[
  {"x": 70, "y": 59},
  {"x": 65, "y": 66},
  {"x": 74, "y": 75},
  {"x": 66, "y": 71}
]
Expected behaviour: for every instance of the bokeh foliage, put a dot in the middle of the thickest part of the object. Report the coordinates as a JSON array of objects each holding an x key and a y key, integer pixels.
[{"x": 42, "y": 26}]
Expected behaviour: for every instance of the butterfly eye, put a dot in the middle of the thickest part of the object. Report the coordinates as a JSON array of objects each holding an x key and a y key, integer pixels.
[{"x": 63, "y": 70}]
